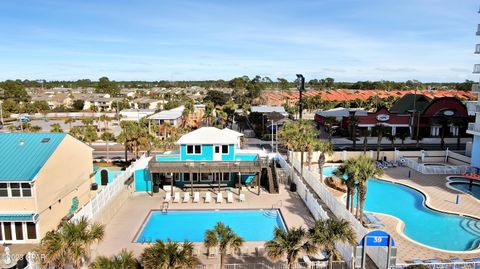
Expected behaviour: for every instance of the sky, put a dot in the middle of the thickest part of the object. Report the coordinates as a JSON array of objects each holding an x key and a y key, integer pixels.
[{"x": 349, "y": 40}]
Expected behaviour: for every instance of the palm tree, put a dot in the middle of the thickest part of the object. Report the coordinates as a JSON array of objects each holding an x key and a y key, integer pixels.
[
  {"x": 105, "y": 120},
  {"x": 209, "y": 107},
  {"x": 459, "y": 126},
  {"x": 380, "y": 130},
  {"x": 55, "y": 128},
  {"x": 366, "y": 168},
  {"x": 69, "y": 121},
  {"x": 324, "y": 148},
  {"x": 289, "y": 243},
  {"x": 298, "y": 136},
  {"x": 87, "y": 121},
  {"x": 444, "y": 123},
  {"x": 391, "y": 138},
  {"x": 402, "y": 136},
  {"x": 223, "y": 237},
  {"x": 326, "y": 233},
  {"x": 365, "y": 133},
  {"x": 107, "y": 137},
  {"x": 71, "y": 243},
  {"x": 330, "y": 122},
  {"x": 76, "y": 132},
  {"x": 349, "y": 169},
  {"x": 124, "y": 260},
  {"x": 168, "y": 255},
  {"x": 353, "y": 123},
  {"x": 90, "y": 134},
  {"x": 35, "y": 129}
]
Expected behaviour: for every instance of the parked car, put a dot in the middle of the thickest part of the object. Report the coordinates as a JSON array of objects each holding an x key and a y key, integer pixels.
[{"x": 24, "y": 118}]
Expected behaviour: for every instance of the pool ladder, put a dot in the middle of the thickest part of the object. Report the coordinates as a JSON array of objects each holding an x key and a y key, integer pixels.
[{"x": 165, "y": 208}]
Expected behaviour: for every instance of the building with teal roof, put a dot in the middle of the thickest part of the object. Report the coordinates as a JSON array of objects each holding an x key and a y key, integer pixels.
[{"x": 43, "y": 178}]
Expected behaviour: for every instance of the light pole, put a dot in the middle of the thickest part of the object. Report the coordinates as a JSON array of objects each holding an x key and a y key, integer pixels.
[{"x": 300, "y": 88}]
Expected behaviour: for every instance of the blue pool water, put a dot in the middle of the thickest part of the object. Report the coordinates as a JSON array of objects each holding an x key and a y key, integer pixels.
[
  {"x": 462, "y": 184},
  {"x": 178, "y": 226},
  {"x": 422, "y": 224}
]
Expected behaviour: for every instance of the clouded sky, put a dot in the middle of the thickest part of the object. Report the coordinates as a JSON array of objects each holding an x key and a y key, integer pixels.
[{"x": 349, "y": 40}]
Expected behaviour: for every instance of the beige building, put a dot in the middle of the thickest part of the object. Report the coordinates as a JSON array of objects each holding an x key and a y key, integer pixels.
[{"x": 44, "y": 178}]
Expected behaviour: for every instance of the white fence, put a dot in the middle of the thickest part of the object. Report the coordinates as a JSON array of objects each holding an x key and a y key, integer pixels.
[
  {"x": 447, "y": 164},
  {"x": 106, "y": 198},
  {"x": 378, "y": 255},
  {"x": 65, "y": 115},
  {"x": 317, "y": 265}
]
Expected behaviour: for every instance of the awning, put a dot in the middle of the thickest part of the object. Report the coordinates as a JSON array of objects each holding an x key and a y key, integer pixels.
[{"x": 18, "y": 217}]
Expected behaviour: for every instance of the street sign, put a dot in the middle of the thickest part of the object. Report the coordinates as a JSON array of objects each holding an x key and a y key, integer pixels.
[{"x": 376, "y": 238}]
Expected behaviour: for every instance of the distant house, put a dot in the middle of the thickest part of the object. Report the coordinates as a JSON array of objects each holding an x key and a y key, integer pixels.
[
  {"x": 269, "y": 109},
  {"x": 172, "y": 117},
  {"x": 147, "y": 103},
  {"x": 38, "y": 187},
  {"x": 54, "y": 100},
  {"x": 101, "y": 101},
  {"x": 135, "y": 114}
]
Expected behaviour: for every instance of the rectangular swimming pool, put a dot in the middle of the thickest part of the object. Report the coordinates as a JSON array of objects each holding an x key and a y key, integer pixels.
[{"x": 179, "y": 226}]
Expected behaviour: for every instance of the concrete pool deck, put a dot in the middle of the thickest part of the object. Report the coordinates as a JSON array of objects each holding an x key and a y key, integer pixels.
[
  {"x": 439, "y": 197},
  {"x": 121, "y": 230}
]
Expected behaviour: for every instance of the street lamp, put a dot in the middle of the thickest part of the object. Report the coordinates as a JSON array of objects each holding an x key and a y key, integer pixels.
[{"x": 300, "y": 88}]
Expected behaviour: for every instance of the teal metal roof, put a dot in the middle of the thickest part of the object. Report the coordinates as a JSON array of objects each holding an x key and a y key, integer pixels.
[
  {"x": 18, "y": 217},
  {"x": 24, "y": 154}
]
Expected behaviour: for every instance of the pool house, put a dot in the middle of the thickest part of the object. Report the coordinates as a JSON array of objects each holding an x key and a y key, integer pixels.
[{"x": 208, "y": 158}]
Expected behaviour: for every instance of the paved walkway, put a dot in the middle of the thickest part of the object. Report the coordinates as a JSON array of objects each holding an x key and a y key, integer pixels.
[{"x": 122, "y": 229}]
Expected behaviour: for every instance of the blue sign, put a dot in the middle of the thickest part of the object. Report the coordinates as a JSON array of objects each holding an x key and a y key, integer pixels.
[{"x": 376, "y": 238}]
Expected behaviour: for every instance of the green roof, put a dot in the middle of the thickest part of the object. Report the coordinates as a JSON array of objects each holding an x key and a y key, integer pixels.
[
  {"x": 24, "y": 154},
  {"x": 404, "y": 104}
]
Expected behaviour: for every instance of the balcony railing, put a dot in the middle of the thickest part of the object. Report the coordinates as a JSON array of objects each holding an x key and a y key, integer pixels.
[
  {"x": 477, "y": 49},
  {"x": 473, "y": 127},
  {"x": 476, "y": 69},
  {"x": 476, "y": 88},
  {"x": 478, "y": 30}
]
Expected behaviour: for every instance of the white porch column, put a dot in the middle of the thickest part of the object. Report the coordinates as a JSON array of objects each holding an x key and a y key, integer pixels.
[{"x": 394, "y": 130}]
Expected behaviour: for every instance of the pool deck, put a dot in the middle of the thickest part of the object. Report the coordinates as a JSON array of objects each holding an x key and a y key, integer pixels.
[
  {"x": 123, "y": 227},
  {"x": 439, "y": 197}
]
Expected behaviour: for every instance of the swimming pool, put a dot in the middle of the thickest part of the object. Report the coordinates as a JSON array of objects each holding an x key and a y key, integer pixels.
[
  {"x": 422, "y": 224},
  {"x": 178, "y": 226},
  {"x": 463, "y": 184}
]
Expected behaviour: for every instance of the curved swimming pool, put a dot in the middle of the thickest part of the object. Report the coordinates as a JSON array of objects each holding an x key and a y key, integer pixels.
[
  {"x": 422, "y": 224},
  {"x": 463, "y": 184}
]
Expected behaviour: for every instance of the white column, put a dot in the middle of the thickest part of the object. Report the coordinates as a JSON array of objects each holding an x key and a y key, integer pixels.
[{"x": 394, "y": 130}]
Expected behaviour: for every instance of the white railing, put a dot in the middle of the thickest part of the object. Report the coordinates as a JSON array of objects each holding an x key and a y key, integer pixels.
[
  {"x": 94, "y": 209},
  {"x": 300, "y": 265},
  {"x": 473, "y": 127},
  {"x": 443, "y": 265},
  {"x": 436, "y": 169}
]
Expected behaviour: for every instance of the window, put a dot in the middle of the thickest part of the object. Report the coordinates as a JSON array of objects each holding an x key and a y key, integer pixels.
[
  {"x": 224, "y": 149},
  {"x": 7, "y": 230},
  {"x": 19, "y": 230},
  {"x": 194, "y": 149},
  {"x": 204, "y": 177},
  {"x": 31, "y": 231},
  {"x": 26, "y": 190},
  {"x": 3, "y": 190},
  {"x": 217, "y": 149},
  {"x": 15, "y": 189},
  {"x": 226, "y": 177}
]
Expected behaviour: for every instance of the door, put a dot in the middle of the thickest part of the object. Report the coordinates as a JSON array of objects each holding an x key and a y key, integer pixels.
[
  {"x": 104, "y": 177},
  {"x": 217, "y": 154}
]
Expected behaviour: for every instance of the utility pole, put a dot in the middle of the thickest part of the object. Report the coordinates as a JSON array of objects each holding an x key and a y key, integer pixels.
[{"x": 301, "y": 89}]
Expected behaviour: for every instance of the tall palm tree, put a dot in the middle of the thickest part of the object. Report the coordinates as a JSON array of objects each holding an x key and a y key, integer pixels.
[
  {"x": 326, "y": 233},
  {"x": 168, "y": 255},
  {"x": 460, "y": 126},
  {"x": 365, "y": 133},
  {"x": 353, "y": 123},
  {"x": 391, "y": 138},
  {"x": 380, "y": 130},
  {"x": 209, "y": 108},
  {"x": 444, "y": 123},
  {"x": 366, "y": 168},
  {"x": 330, "y": 122},
  {"x": 402, "y": 136},
  {"x": 289, "y": 243},
  {"x": 124, "y": 260},
  {"x": 298, "y": 136},
  {"x": 71, "y": 243},
  {"x": 76, "y": 132},
  {"x": 107, "y": 137},
  {"x": 223, "y": 237},
  {"x": 324, "y": 148},
  {"x": 348, "y": 169},
  {"x": 69, "y": 121},
  {"x": 87, "y": 121},
  {"x": 55, "y": 128}
]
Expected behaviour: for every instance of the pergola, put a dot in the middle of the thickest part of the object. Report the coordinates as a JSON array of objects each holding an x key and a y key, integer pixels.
[{"x": 190, "y": 167}]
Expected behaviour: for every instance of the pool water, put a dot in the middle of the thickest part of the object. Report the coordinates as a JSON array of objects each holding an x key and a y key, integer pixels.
[
  {"x": 179, "y": 226},
  {"x": 422, "y": 224},
  {"x": 465, "y": 187}
]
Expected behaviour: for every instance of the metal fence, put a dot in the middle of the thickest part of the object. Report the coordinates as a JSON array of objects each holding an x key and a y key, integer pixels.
[
  {"x": 443, "y": 169},
  {"x": 96, "y": 208},
  {"x": 316, "y": 265}
]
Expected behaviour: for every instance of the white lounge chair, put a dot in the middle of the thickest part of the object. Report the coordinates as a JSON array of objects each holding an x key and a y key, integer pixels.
[
  {"x": 229, "y": 197},
  {"x": 208, "y": 197},
  {"x": 186, "y": 197},
  {"x": 242, "y": 197},
  {"x": 176, "y": 198},
  {"x": 196, "y": 197},
  {"x": 168, "y": 197},
  {"x": 219, "y": 197}
]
